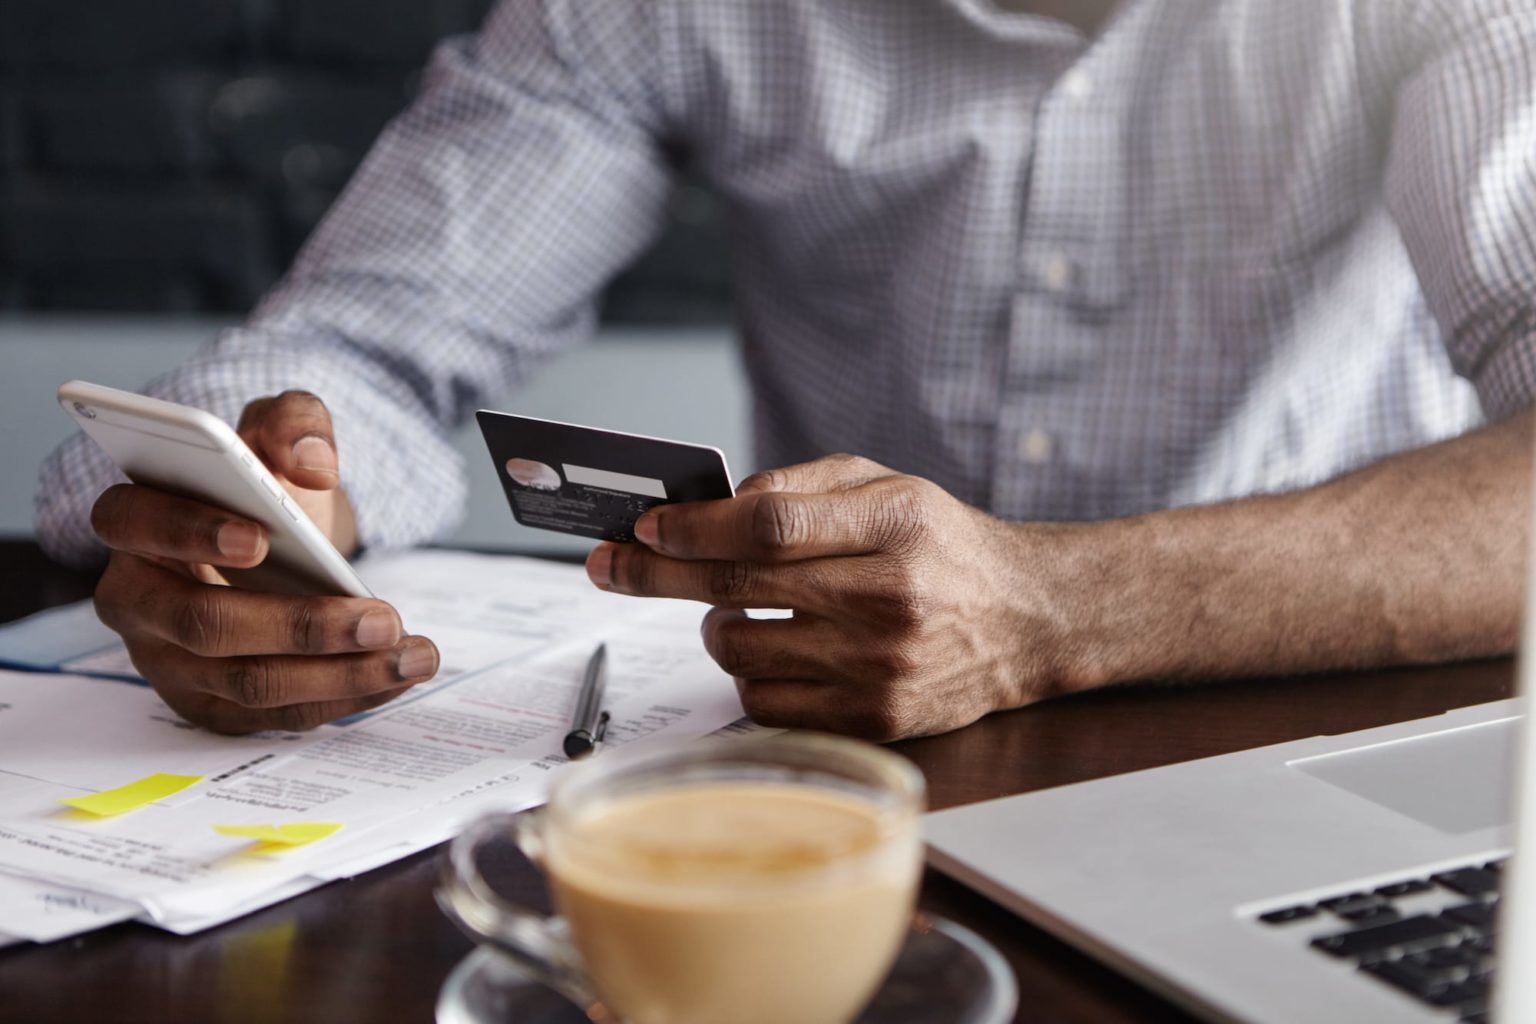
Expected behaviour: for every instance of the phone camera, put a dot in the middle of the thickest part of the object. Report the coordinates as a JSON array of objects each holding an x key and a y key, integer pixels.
[{"x": 85, "y": 410}]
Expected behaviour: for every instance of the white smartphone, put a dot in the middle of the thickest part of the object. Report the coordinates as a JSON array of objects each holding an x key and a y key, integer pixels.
[{"x": 195, "y": 454}]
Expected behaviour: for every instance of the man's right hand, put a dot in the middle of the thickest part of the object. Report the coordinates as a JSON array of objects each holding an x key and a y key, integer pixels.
[{"x": 235, "y": 660}]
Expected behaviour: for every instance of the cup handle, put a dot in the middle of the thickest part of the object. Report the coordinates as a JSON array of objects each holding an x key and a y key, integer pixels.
[{"x": 539, "y": 944}]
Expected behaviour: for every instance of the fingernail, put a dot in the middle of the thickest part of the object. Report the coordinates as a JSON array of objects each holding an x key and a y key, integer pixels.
[
  {"x": 238, "y": 540},
  {"x": 417, "y": 660},
  {"x": 646, "y": 530},
  {"x": 378, "y": 628},
  {"x": 600, "y": 565},
  {"x": 315, "y": 453}
]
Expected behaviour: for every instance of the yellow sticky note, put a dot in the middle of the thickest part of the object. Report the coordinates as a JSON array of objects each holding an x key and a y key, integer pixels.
[
  {"x": 295, "y": 833},
  {"x": 132, "y": 796}
]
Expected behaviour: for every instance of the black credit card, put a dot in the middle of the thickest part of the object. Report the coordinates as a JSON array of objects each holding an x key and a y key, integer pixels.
[{"x": 591, "y": 482}]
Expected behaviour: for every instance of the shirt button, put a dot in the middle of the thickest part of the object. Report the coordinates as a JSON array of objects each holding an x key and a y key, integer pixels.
[
  {"x": 1076, "y": 84},
  {"x": 1056, "y": 272},
  {"x": 1035, "y": 447}
]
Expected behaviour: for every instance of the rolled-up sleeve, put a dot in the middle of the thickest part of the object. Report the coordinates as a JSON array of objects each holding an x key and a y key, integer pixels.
[
  {"x": 1461, "y": 176},
  {"x": 472, "y": 243}
]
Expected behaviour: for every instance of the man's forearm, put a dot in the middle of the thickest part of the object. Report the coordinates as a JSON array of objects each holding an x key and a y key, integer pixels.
[
  {"x": 1416, "y": 558},
  {"x": 915, "y": 613}
]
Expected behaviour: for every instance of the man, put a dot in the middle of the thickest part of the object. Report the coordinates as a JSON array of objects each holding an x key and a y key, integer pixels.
[{"x": 1223, "y": 310}]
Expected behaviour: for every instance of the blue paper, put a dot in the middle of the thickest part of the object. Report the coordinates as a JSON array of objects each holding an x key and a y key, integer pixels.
[{"x": 49, "y": 639}]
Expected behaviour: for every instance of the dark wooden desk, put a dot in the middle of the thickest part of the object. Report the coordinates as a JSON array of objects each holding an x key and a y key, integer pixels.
[{"x": 376, "y": 948}]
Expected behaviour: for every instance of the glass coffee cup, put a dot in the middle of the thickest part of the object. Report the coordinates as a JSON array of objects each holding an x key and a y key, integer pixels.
[{"x": 726, "y": 881}]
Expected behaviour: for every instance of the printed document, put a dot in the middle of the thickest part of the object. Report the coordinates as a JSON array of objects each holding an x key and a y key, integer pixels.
[{"x": 515, "y": 635}]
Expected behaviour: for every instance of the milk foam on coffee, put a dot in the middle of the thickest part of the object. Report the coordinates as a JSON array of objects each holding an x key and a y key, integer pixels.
[{"x": 736, "y": 902}]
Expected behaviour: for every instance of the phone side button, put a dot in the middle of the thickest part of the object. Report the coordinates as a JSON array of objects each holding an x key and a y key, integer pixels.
[
  {"x": 273, "y": 487},
  {"x": 290, "y": 508}
]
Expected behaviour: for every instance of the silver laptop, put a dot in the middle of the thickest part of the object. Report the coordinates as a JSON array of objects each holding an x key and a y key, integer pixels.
[{"x": 1356, "y": 878}]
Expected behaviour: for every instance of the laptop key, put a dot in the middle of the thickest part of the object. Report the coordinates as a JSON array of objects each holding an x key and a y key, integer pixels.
[
  {"x": 1425, "y": 984},
  {"x": 1409, "y": 935},
  {"x": 1285, "y": 915},
  {"x": 1353, "y": 905},
  {"x": 1375, "y": 913},
  {"x": 1447, "y": 958},
  {"x": 1341, "y": 901},
  {"x": 1474, "y": 882},
  {"x": 1470, "y": 996},
  {"x": 1481, "y": 943},
  {"x": 1408, "y": 888},
  {"x": 1478, "y": 916}
]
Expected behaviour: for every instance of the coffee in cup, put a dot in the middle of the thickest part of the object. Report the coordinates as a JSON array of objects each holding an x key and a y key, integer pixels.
[{"x": 725, "y": 882}]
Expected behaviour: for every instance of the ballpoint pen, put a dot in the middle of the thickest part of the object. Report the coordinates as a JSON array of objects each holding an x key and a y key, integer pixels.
[{"x": 589, "y": 722}]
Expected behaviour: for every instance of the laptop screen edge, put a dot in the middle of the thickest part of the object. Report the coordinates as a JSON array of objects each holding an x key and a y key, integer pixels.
[{"x": 1515, "y": 989}]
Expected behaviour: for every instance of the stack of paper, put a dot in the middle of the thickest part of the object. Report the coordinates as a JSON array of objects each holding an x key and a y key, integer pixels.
[{"x": 111, "y": 807}]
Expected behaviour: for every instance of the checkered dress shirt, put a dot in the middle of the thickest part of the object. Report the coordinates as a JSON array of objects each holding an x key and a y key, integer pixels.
[{"x": 1224, "y": 247}]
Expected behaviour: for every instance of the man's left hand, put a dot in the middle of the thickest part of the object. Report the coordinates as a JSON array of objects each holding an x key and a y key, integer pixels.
[{"x": 913, "y": 612}]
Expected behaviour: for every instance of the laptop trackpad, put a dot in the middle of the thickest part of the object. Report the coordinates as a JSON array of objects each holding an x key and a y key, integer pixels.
[{"x": 1455, "y": 781}]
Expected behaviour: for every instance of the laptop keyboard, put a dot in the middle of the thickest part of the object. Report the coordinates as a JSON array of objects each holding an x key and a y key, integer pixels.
[{"x": 1431, "y": 937}]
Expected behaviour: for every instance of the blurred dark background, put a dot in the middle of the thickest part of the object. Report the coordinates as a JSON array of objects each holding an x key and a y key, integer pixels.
[
  {"x": 161, "y": 161},
  {"x": 170, "y": 156}
]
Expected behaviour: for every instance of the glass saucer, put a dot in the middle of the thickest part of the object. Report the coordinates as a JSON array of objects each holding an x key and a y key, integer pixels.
[{"x": 945, "y": 973}]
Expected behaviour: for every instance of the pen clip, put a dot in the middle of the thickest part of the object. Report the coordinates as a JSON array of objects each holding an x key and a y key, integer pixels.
[{"x": 601, "y": 730}]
